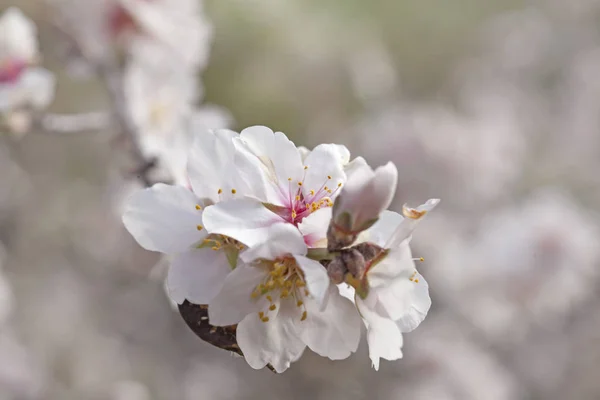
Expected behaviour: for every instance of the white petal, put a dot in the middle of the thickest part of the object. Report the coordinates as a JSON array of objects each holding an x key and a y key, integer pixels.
[
  {"x": 259, "y": 175},
  {"x": 334, "y": 332},
  {"x": 408, "y": 225},
  {"x": 317, "y": 280},
  {"x": 383, "y": 229},
  {"x": 282, "y": 239},
  {"x": 245, "y": 220},
  {"x": 397, "y": 264},
  {"x": 274, "y": 342},
  {"x": 41, "y": 85},
  {"x": 366, "y": 194},
  {"x": 346, "y": 291},
  {"x": 277, "y": 149},
  {"x": 211, "y": 117},
  {"x": 420, "y": 304},
  {"x": 304, "y": 152},
  {"x": 383, "y": 336},
  {"x": 197, "y": 275},
  {"x": 35, "y": 87},
  {"x": 343, "y": 154},
  {"x": 18, "y": 35},
  {"x": 210, "y": 166},
  {"x": 323, "y": 162},
  {"x": 164, "y": 218},
  {"x": 233, "y": 302},
  {"x": 353, "y": 166},
  {"x": 314, "y": 227}
]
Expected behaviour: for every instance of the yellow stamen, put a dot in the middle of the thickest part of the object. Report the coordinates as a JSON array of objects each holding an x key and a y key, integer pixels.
[
  {"x": 272, "y": 307},
  {"x": 233, "y": 191},
  {"x": 304, "y": 315},
  {"x": 312, "y": 192},
  {"x": 306, "y": 167},
  {"x": 328, "y": 176},
  {"x": 299, "y": 303},
  {"x": 199, "y": 227},
  {"x": 265, "y": 319},
  {"x": 198, "y": 207},
  {"x": 300, "y": 183},
  {"x": 220, "y": 191}
]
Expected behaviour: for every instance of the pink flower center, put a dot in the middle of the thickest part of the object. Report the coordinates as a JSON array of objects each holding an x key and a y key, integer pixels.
[
  {"x": 11, "y": 70},
  {"x": 300, "y": 201}
]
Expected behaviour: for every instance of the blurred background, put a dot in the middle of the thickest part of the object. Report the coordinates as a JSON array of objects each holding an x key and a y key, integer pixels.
[{"x": 492, "y": 106}]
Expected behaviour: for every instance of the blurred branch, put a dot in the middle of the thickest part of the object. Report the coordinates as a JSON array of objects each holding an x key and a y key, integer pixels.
[
  {"x": 111, "y": 74},
  {"x": 74, "y": 123}
]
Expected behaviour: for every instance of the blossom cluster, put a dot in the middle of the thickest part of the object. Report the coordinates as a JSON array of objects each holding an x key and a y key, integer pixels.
[
  {"x": 160, "y": 47},
  {"x": 294, "y": 246},
  {"x": 24, "y": 85}
]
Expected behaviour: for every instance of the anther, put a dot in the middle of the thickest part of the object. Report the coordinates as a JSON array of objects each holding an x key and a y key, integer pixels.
[
  {"x": 298, "y": 198},
  {"x": 265, "y": 319},
  {"x": 269, "y": 298},
  {"x": 198, "y": 207},
  {"x": 300, "y": 183},
  {"x": 306, "y": 167},
  {"x": 294, "y": 215},
  {"x": 261, "y": 314},
  {"x": 290, "y": 179},
  {"x": 220, "y": 191},
  {"x": 299, "y": 303},
  {"x": 272, "y": 307},
  {"x": 312, "y": 192},
  {"x": 304, "y": 315},
  {"x": 416, "y": 280},
  {"x": 328, "y": 176},
  {"x": 233, "y": 191},
  {"x": 340, "y": 184},
  {"x": 199, "y": 227}
]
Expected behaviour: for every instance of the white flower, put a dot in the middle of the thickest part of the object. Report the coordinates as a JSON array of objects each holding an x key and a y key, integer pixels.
[
  {"x": 366, "y": 194},
  {"x": 293, "y": 186},
  {"x": 178, "y": 25},
  {"x": 168, "y": 219},
  {"x": 283, "y": 302},
  {"x": 160, "y": 102},
  {"x": 393, "y": 297},
  {"x": 21, "y": 84}
]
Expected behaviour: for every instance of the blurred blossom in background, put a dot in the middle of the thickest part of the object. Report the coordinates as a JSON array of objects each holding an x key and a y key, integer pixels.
[{"x": 492, "y": 106}]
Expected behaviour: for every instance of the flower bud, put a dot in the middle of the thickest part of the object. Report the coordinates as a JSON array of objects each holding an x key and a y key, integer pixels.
[{"x": 366, "y": 194}]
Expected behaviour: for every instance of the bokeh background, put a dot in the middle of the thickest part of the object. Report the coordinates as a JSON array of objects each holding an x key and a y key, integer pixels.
[{"x": 492, "y": 106}]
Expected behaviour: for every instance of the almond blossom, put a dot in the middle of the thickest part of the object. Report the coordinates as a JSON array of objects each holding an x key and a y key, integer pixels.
[
  {"x": 292, "y": 182},
  {"x": 283, "y": 302},
  {"x": 169, "y": 219},
  {"x": 179, "y": 26},
  {"x": 392, "y": 296},
  {"x": 22, "y": 84}
]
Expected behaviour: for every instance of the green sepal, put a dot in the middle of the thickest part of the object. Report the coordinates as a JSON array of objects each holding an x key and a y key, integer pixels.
[{"x": 232, "y": 252}]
